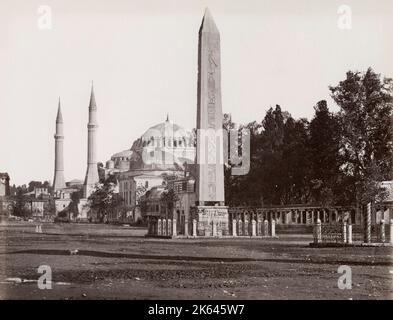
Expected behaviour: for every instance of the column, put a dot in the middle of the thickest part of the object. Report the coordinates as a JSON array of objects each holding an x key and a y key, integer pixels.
[
  {"x": 318, "y": 232},
  {"x": 214, "y": 229},
  {"x": 194, "y": 228},
  {"x": 391, "y": 231},
  {"x": 164, "y": 227},
  {"x": 169, "y": 227},
  {"x": 382, "y": 230},
  {"x": 253, "y": 228},
  {"x": 349, "y": 233},
  {"x": 266, "y": 228},
  {"x": 234, "y": 233},
  {"x": 273, "y": 228},
  {"x": 174, "y": 228},
  {"x": 186, "y": 227},
  {"x": 159, "y": 227},
  {"x": 344, "y": 232},
  {"x": 259, "y": 228},
  {"x": 368, "y": 224}
]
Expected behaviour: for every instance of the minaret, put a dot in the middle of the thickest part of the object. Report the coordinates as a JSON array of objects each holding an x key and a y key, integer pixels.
[
  {"x": 92, "y": 171},
  {"x": 58, "y": 180}
]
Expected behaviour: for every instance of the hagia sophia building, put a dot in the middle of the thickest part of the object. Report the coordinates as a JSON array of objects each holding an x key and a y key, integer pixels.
[{"x": 165, "y": 149}]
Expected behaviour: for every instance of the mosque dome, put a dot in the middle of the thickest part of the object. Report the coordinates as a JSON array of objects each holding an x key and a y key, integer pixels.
[
  {"x": 168, "y": 135},
  {"x": 165, "y": 146}
]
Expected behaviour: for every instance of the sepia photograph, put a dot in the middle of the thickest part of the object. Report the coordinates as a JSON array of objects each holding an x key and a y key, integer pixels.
[{"x": 206, "y": 150}]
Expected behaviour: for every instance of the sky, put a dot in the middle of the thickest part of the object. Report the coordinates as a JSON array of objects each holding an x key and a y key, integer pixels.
[{"x": 142, "y": 56}]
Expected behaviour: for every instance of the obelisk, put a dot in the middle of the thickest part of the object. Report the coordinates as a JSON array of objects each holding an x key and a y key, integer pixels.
[
  {"x": 212, "y": 215},
  {"x": 58, "y": 180},
  {"x": 92, "y": 171}
]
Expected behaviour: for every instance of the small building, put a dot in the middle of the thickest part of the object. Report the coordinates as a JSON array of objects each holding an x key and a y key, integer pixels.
[
  {"x": 160, "y": 222},
  {"x": 5, "y": 201},
  {"x": 384, "y": 210},
  {"x": 4, "y": 184},
  {"x": 36, "y": 207},
  {"x": 185, "y": 190},
  {"x": 5, "y": 206},
  {"x": 63, "y": 198}
]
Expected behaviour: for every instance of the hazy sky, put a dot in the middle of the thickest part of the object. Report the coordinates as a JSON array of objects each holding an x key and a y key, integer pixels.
[{"x": 142, "y": 56}]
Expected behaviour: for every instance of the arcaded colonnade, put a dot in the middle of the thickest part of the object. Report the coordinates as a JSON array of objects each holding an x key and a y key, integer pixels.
[
  {"x": 304, "y": 215},
  {"x": 262, "y": 222}
]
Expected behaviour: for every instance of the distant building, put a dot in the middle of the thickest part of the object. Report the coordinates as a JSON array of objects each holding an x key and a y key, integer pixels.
[
  {"x": 155, "y": 209},
  {"x": 36, "y": 207},
  {"x": 5, "y": 201},
  {"x": 75, "y": 184},
  {"x": 41, "y": 192},
  {"x": 37, "y": 201},
  {"x": 4, "y": 185},
  {"x": 185, "y": 190},
  {"x": 384, "y": 210},
  {"x": 163, "y": 150}
]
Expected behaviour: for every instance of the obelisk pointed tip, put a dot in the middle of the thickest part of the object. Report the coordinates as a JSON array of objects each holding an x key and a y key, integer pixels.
[{"x": 208, "y": 25}]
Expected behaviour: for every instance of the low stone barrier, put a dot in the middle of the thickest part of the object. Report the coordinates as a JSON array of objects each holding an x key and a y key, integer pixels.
[{"x": 342, "y": 234}]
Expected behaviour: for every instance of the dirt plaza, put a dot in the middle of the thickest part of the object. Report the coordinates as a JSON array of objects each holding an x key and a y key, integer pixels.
[{"x": 93, "y": 261}]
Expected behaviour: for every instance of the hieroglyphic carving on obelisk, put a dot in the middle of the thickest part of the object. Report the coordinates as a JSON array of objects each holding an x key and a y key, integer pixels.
[{"x": 210, "y": 168}]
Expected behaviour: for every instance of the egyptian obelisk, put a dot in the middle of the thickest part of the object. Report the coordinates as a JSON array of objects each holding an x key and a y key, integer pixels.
[
  {"x": 92, "y": 171},
  {"x": 58, "y": 180},
  {"x": 212, "y": 215}
]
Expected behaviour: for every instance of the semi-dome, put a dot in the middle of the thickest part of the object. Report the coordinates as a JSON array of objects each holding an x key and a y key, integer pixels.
[
  {"x": 120, "y": 161},
  {"x": 122, "y": 155}
]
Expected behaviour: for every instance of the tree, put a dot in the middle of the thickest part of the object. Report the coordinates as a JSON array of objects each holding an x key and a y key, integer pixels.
[
  {"x": 295, "y": 162},
  {"x": 269, "y": 173},
  {"x": 365, "y": 101},
  {"x": 38, "y": 184},
  {"x": 101, "y": 172},
  {"x": 104, "y": 200},
  {"x": 50, "y": 207},
  {"x": 325, "y": 159},
  {"x": 73, "y": 206},
  {"x": 169, "y": 198},
  {"x": 19, "y": 204}
]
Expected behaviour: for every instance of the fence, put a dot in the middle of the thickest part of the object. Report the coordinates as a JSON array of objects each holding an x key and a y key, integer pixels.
[{"x": 343, "y": 233}]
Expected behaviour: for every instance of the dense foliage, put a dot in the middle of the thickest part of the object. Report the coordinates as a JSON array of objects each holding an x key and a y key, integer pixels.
[{"x": 334, "y": 159}]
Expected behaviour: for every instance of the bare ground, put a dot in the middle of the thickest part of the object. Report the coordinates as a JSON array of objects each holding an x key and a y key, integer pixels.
[{"x": 114, "y": 262}]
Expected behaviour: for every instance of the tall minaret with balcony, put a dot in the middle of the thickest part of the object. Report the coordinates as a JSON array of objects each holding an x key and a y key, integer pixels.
[
  {"x": 92, "y": 171},
  {"x": 58, "y": 180}
]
